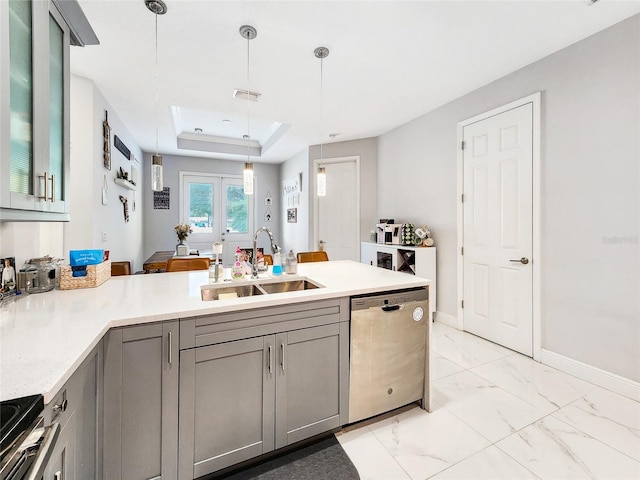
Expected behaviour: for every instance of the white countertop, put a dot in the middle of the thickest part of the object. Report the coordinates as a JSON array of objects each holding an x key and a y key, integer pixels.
[{"x": 45, "y": 337}]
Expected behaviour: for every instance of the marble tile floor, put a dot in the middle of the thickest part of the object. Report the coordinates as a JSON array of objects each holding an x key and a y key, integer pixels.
[{"x": 499, "y": 415}]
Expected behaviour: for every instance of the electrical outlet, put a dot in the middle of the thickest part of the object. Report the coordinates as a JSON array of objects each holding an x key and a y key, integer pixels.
[{"x": 104, "y": 236}]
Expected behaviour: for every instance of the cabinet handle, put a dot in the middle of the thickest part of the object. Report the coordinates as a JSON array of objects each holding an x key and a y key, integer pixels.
[
  {"x": 282, "y": 356},
  {"x": 46, "y": 195},
  {"x": 62, "y": 406},
  {"x": 53, "y": 188},
  {"x": 270, "y": 360},
  {"x": 170, "y": 335}
]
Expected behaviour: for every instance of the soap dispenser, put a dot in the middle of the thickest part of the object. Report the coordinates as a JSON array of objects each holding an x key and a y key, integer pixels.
[{"x": 291, "y": 263}]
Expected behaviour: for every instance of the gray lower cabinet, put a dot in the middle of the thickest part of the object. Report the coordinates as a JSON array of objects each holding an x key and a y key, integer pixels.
[
  {"x": 76, "y": 408},
  {"x": 141, "y": 402},
  {"x": 243, "y": 397},
  {"x": 227, "y": 395}
]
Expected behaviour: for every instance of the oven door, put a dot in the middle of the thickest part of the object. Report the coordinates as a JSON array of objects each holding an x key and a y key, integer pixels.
[{"x": 31, "y": 456}]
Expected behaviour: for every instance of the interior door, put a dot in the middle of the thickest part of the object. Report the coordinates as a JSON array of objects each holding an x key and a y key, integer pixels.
[
  {"x": 498, "y": 232},
  {"x": 339, "y": 212}
]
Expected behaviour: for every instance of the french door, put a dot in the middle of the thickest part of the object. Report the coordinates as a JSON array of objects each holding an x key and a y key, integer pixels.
[{"x": 217, "y": 210}]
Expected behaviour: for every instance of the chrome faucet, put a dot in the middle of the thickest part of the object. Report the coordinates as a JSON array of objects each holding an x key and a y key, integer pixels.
[{"x": 274, "y": 249}]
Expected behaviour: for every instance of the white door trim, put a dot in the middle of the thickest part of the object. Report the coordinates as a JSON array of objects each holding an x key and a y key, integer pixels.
[
  {"x": 314, "y": 185},
  {"x": 535, "y": 100}
]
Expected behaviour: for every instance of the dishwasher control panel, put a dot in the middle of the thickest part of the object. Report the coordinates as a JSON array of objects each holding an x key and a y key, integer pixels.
[{"x": 389, "y": 299}]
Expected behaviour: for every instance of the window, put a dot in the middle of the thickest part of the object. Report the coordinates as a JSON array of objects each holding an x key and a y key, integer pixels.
[{"x": 217, "y": 209}]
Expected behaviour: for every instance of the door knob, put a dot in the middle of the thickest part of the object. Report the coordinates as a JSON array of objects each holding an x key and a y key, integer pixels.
[{"x": 523, "y": 260}]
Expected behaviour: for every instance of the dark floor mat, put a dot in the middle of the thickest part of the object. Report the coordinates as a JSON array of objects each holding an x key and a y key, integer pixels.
[{"x": 323, "y": 460}]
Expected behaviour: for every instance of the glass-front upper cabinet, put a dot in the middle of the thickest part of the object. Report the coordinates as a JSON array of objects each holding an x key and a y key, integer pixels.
[{"x": 34, "y": 119}]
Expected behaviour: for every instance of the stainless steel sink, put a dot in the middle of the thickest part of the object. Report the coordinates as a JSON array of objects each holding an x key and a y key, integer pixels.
[
  {"x": 226, "y": 291},
  {"x": 288, "y": 286},
  {"x": 221, "y": 292}
]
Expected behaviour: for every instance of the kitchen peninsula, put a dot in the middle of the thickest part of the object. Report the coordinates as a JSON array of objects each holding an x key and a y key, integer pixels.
[{"x": 46, "y": 338}]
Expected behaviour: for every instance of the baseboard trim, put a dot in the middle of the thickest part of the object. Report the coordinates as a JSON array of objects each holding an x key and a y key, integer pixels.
[
  {"x": 589, "y": 373},
  {"x": 450, "y": 320}
]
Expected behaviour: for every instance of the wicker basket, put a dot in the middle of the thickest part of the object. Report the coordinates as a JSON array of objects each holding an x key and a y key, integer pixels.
[{"x": 96, "y": 275}]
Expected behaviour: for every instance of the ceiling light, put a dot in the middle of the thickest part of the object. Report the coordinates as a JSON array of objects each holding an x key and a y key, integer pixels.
[
  {"x": 248, "y": 32},
  {"x": 246, "y": 94},
  {"x": 157, "y": 7},
  {"x": 321, "y": 178}
]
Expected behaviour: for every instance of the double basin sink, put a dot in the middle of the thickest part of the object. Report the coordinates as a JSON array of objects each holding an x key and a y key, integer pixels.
[{"x": 265, "y": 287}]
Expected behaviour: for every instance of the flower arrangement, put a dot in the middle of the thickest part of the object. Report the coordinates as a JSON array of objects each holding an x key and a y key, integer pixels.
[{"x": 182, "y": 230}]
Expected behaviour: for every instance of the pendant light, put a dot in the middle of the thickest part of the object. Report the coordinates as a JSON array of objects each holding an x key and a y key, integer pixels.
[
  {"x": 248, "y": 32},
  {"x": 321, "y": 177},
  {"x": 157, "y": 7}
]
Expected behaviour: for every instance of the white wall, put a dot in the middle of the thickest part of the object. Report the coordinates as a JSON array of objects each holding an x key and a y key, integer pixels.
[
  {"x": 89, "y": 218},
  {"x": 158, "y": 224},
  {"x": 295, "y": 236},
  {"x": 590, "y": 183}
]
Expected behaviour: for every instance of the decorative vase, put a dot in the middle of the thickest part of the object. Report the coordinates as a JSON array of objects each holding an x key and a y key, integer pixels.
[{"x": 180, "y": 244}]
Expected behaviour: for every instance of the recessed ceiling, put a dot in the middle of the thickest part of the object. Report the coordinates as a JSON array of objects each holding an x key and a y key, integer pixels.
[{"x": 390, "y": 62}]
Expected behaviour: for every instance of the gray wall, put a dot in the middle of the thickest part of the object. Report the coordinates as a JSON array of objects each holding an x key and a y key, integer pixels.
[
  {"x": 295, "y": 236},
  {"x": 158, "y": 224},
  {"x": 590, "y": 182}
]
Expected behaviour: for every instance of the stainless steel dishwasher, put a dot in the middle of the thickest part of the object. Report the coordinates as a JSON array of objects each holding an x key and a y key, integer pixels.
[{"x": 389, "y": 361}]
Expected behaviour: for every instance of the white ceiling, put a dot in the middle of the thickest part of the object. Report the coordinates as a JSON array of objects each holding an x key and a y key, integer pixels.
[{"x": 389, "y": 62}]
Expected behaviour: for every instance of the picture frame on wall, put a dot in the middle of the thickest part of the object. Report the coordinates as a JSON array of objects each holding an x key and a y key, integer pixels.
[{"x": 292, "y": 215}]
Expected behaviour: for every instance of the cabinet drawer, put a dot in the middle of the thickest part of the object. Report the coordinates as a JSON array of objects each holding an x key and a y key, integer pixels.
[{"x": 226, "y": 327}]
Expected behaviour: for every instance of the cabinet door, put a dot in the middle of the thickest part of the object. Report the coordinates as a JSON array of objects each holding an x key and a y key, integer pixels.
[
  {"x": 61, "y": 465},
  {"x": 308, "y": 383},
  {"x": 34, "y": 118},
  {"x": 368, "y": 254},
  {"x": 227, "y": 396},
  {"x": 141, "y": 402}
]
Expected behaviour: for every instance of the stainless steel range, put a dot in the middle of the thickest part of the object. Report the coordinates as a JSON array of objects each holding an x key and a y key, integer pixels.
[{"x": 25, "y": 443}]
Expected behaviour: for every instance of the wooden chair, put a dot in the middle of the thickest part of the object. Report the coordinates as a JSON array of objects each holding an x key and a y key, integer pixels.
[
  {"x": 268, "y": 259},
  {"x": 120, "y": 268},
  {"x": 185, "y": 264},
  {"x": 317, "y": 256}
]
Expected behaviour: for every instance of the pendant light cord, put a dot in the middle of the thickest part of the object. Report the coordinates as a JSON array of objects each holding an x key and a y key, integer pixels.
[
  {"x": 248, "y": 101},
  {"x": 157, "y": 84},
  {"x": 321, "y": 107}
]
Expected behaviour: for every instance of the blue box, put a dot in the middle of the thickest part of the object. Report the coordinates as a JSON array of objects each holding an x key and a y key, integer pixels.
[{"x": 78, "y": 258}]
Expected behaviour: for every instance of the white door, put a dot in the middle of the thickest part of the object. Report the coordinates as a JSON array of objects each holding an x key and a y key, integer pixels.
[
  {"x": 338, "y": 213},
  {"x": 498, "y": 232}
]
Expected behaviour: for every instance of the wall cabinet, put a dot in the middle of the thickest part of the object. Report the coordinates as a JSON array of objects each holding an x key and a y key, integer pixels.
[
  {"x": 260, "y": 381},
  {"x": 141, "y": 402},
  {"x": 76, "y": 408},
  {"x": 34, "y": 113},
  {"x": 420, "y": 261}
]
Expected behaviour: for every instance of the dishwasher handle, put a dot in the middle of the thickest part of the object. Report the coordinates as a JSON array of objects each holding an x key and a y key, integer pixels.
[{"x": 391, "y": 308}]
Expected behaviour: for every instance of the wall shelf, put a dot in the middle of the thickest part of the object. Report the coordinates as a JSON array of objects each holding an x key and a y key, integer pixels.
[{"x": 125, "y": 183}]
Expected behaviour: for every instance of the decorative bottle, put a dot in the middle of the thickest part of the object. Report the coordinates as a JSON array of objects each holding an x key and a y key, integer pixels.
[
  {"x": 291, "y": 263},
  {"x": 238, "y": 270}
]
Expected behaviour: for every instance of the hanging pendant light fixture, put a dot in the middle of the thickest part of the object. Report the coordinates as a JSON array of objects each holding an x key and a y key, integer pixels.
[
  {"x": 248, "y": 32},
  {"x": 157, "y": 7},
  {"x": 321, "y": 177}
]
